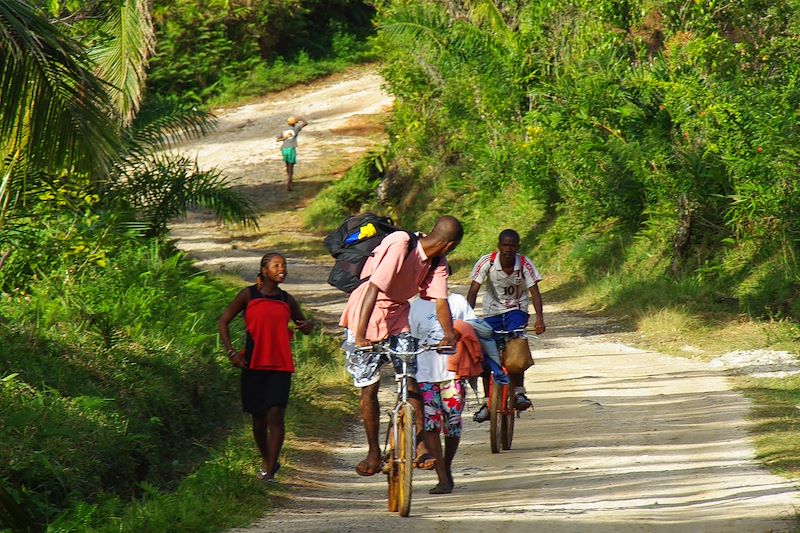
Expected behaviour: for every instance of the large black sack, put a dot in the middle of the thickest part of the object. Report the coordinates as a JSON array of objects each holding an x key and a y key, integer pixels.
[{"x": 353, "y": 242}]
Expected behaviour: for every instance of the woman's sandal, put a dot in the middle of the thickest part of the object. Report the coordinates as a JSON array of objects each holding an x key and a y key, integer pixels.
[
  {"x": 264, "y": 476},
  {"x": 425, "y": 461}
]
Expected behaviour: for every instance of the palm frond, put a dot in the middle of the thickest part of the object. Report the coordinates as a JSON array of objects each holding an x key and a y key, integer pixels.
[
  {"x": 53, "y": 110},
  {"x": 486, "y": 13},
  {"x": 166, "y": 187},
  {"x": 418, "y": 26},
  {"x": 120, "y": 56},
  {"x": 427, "y": 26},
  {"x": 166, "y": 122}
]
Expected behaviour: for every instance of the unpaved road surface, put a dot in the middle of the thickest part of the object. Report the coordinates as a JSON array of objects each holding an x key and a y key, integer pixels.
[{"x": 621, "y": 440}]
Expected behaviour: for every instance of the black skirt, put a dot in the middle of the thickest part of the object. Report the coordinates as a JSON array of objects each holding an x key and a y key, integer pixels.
[{"x": 262, "y": 389}]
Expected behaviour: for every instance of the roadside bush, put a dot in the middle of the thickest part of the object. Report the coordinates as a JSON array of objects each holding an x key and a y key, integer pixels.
[
  {"x": 629, "y": 123},
  {"x": 124, "y": 358},
  {"x": 346, "y": 196}
]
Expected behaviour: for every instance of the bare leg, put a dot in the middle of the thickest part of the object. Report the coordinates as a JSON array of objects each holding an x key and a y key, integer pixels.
[
  {"x": 289, "y": 175},
  {"x": 435, "y": 449},
  {"x": 268, "y": 432},
  {"x": 260, "y": 425},
  {"x": 276, "y": 433},
  {"x": 371, "y": 416},
  {"x": 415, "y": 397},
  {"x": 450, "y": 449}
]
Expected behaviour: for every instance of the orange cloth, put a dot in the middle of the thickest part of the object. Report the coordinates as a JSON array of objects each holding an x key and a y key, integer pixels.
[{"x": 467, "y": 362}]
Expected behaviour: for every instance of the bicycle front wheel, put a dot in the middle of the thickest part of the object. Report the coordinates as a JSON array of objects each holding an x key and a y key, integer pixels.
[
  {"x": 391, "y": 478},
  {"x": 495, "y": 414},
  {"x": 507, "y": 421},
  {"x": 405, "y": 457}
]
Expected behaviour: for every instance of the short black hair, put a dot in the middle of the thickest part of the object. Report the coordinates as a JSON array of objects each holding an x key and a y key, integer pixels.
[{"x": 508, "y": 233}]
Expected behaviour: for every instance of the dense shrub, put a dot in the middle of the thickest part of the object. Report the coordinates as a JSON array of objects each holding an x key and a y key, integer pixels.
[
  {"x": 667, "y": 123},
  {"x": 123, "y": 358},
  {"x": 211, "y": 48}
]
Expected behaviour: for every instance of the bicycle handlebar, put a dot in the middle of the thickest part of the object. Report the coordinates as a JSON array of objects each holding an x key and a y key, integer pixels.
[
  {"x": 519, "y": 331},
  {"x": 507, "y": 331},
  {"x": 422, "y": 348}
]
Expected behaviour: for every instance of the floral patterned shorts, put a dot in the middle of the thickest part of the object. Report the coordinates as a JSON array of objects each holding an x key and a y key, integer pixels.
[{"x": 444, "y": 403}]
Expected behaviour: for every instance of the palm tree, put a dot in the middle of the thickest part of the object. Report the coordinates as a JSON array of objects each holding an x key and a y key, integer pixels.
[
  {"x": 55, "y": 114},
  {"x": 68, "y": 115},
  {"x": 126, "y": 40}
]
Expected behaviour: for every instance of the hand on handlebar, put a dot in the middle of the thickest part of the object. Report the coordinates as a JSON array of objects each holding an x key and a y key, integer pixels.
[
  {"x": 363, "y": 343},
  {"x": 450, "y": 339}
]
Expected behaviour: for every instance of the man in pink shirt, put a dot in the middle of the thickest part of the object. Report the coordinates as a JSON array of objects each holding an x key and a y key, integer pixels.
[{"x": 377, "y": 310}]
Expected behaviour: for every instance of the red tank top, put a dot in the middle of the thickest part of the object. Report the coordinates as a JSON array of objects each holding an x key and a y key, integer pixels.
[{"x": 267, "y": 324}]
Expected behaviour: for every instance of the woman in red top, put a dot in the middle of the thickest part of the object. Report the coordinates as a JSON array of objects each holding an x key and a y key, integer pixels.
[{"x": 266, "y": 360}]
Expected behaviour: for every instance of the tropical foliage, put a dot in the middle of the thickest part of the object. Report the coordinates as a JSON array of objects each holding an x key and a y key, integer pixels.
[
  {"x": 113, "y": 388},
  {"x": 236, "y": 47},
  {"x": 75, "y": 166},
  {"x": 657, "y": 137},
  {"x": 110, "y": 386}
]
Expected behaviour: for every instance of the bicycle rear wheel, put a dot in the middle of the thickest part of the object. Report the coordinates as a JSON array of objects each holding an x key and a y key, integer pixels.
[
  {"x": 495, "y": 414},
  {"x": 507, "y": 421},
  {"x": 405, "y": 457}
]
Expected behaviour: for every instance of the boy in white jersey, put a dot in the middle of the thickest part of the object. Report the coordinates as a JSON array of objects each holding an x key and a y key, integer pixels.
[
  {"x": 509, "y": 278},
  {"x": 443, "y": 394}
]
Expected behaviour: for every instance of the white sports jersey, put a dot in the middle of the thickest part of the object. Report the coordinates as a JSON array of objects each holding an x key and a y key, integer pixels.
[
  {"x": 505, "y": 292},
  {"x": 431, "y": 365}
]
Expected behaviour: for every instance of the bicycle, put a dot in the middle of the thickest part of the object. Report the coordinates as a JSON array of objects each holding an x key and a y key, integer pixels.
[
  {"x": 502, "y": 398},
  {"x": 401, "y": 433}
]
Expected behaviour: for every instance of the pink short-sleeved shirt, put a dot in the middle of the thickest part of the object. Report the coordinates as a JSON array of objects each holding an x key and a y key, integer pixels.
[{"x": 399, "y": 276}]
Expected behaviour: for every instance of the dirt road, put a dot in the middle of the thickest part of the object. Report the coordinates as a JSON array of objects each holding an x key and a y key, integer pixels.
[{"x": 621, "y": 440}]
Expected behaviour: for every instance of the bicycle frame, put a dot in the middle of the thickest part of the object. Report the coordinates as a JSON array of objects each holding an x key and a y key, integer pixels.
[
  {"x": 400, "y": 447},
  {"x": 402, "y": 398},
  {"x": 501, "y": 402}
]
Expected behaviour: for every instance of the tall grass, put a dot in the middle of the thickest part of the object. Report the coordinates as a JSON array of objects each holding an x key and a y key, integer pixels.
[
  {"x": 118, "y": 408},
  {"x": 266, "y": 77}
]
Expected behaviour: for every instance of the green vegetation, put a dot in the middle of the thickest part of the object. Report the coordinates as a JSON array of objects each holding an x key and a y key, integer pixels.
[
  {"x": 222, "y": 52},
  {"x": 656, "y": 141},
  {"x": 348, "y": 195},
  {"x": 646, "y": 152},
  {"x": 115, "y": 406},
  {"x": 114, "y": 388}
]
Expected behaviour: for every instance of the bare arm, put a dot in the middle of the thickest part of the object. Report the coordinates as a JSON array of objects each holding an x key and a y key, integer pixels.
[
  {"x": 233, "y": 309},
  {"x": 445, "y": 317},
  {"x": 536, "y": 299},
  {"x": 472, "y": 293},
  {"x": 367, "y": 306},
  {"x": 305, "y": 326}
]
